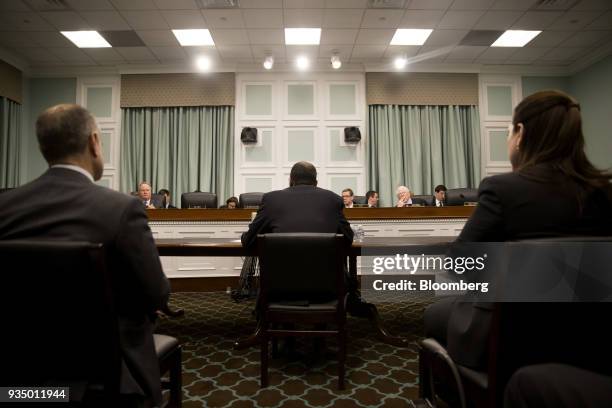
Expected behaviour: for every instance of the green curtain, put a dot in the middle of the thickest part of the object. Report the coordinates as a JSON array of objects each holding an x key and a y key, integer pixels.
[
  {"x": 182, "y": 149},
  {"x": 421, "y": 147},
  {"x": 10, "y": 135}
]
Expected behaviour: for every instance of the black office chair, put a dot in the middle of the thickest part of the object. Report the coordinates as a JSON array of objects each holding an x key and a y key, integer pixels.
[
  {"x": 198, "y": 200},
  {"x": 250, "y": 200},
  {"x": 461, "y": 196},
  {"x": 422, "y": 199},
  {"x": 360, "y": 200},
  {"x": 299, "y": 288},
  {"x": 61, "y": 322},
  {"x": 523, "y": 334},
  {"x": 5, "y": 189}
]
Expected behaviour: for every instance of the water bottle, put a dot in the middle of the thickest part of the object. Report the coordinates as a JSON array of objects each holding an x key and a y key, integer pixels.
[{"x": 359, "y": 233}]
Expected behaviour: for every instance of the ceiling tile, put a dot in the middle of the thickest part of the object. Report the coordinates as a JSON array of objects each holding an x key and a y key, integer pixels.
[
  {"x": 343, "y": 51},
  {"x": 549, "y": 39},
  {"x": 497, "y": 53},
  {"x": 38, "y": 55},
  {"x": 18, "y": 21},
  {"x": 563, "y": 54},
  {"x": 421, "y": 18},
  {"x": 208, "y": 51},
  {"x": 459, "y": 20},
  {"x": 588, "y": 39},
  {"x": 261, "y": 4},
  {"x": 105, "y": 20},
  {"x": 497, "y": 20},
  {"x": 528, "y": 54},
  {"x": 176, "y": 4},
  {"x": 471, "y": 4},
  {"x": 266, "y": 36},
  {"x": 235, "y": 51},
  {"x": 145, "y": 20},
  {"x": 536, "y": 20},
  {"x": 303, "y": 4},
  {"x": 432, "y": 54},
  {"x": 71, "y": 55},
  {"x": 342, "y": 36},
  {"x": 19, "y": 39},
  {"x": 45, "y": 5},
  {"x": 466, "y": 52},
  {"x": 520, "y": 5},
  {"x": 368, "y": 51},
  {"x": 270, "y": 18},
  {"x": 445, "y": 37},
  {"x": 374, "y": 36},
  {"x": 381, "y": 18},
  {"x": 261, "y": 51},
  {"x": 394, "y": 51},
  {"x": 90, "y": 5},
  {"x": 183, "y": 19},
  {"x": 603, "y": 22},
  {"x": 136, "y": 54},
  {"x": 134, "y": 4},
  {"x": 344, "y": 4},
  {"x": 430, "y": 4},
  {"x": 574, "y": 20},
  {"x": 104, "y": 54},
  {"x": 49, "y": 39},
  {"x": 307, "y": 18},
  {"x": 593, "y": 5},
  {"x": 169, "y": 53},
  {"x": 127, "y": 38},
  {"x": 65, "y": 20},
  {"x": 158, "y": 38},
  {"x": 294, "y": 51},
  {"x": 13, "y": 5},
  {"x": 230, "y": 37},
  {"x": 224, "y": 18},
  {"x": 345, "y": 18}
]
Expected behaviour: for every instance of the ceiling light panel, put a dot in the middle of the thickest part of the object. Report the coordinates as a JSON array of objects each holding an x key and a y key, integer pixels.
[
  {"x": 86, "y": 39},
  {"x": 190, "y": 38},
  {"x": 515, "y": 38},
  {"x": 302, "y": 36},
  {"x": 409, "y": 36}
]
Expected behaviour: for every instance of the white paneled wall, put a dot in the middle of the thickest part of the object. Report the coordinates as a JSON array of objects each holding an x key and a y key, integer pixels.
[{"x": 300, "y": 117}]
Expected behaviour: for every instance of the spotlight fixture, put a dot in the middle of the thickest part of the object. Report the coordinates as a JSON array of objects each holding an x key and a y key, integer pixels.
[
  {"x": 400, "y": 62},
  {"x": 302, "y": 63},
  {"x": 335, "y": 62},
  {"x": 203, "y": 63},
  {"x": 268, "y": 62}
]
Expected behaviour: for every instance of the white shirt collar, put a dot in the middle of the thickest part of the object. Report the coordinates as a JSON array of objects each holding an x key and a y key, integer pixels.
[{"x": 74, "y": 168}]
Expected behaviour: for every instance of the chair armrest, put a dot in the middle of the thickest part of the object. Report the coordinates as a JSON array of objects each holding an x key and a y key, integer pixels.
[{"x": 433, "y": 347}]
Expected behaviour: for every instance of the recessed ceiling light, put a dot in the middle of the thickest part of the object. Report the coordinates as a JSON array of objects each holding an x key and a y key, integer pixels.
[
  {"x": 400, "y": 62},
  {"x": 515, "y": 38},
  {"x": 268, "y": 62},
  {"x": 302, "y": 63},
  {"x": 410, "y": 36},
  {"x": 335, "y": 61},
  {"x": 188, "y": 38},
  {"x": 203, "y": 63},
  {"x": 86, "y": 39},
  {"x": 302, "y": 36}
]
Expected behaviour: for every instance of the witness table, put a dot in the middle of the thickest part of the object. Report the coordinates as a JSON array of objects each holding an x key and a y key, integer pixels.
[{"x": 370, "y": 245}]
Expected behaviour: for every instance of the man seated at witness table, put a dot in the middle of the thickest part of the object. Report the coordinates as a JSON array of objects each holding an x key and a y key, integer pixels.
[
  {"x": 372, "y": 199},
  {"x": 439, "y": 197},
  {"x": 166, "y": 198},
  {"x": 304, "y": 207},
  {"x": 64, "y": 204},
  {"x": 546, "y": 150},
  {"x": 144, "y": 193},
  {"x": 347, "y": 198}
]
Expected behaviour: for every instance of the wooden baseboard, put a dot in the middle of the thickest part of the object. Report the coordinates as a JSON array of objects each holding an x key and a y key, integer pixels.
[{"x": 212, "y": 284}]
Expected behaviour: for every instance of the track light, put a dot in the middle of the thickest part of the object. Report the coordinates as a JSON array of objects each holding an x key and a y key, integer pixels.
[
  {"x": 302, "y": 63},
  {"x": 203, "y": 63},
  {"x": 268, "y": 62},
  {"x": 400, "y": 62},
  {"x": 335, "y": 61}
]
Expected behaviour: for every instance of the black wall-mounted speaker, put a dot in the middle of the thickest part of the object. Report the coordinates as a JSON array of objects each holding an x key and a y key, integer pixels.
[
  {"x": 248, "y": 135},
  {"x": 352, "y": 134}
]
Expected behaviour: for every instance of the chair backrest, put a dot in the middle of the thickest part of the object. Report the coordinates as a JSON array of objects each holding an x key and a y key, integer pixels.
[
  {"x": 422, "y": 199},
  {"x": 4, "y": 189},
  {"x": 198, "y": 200},
  {"x": 459, "y": 196},
  {"x": 301, "y": 266},
  {"x": 360, "y": 200},
  {"x": 250, "y": 200},
  {"x": 155, "y": 198},
  {"x": 59, "y": 321}
]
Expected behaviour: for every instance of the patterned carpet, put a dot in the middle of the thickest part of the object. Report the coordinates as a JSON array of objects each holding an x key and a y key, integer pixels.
[{"x": 215, "y": 375}]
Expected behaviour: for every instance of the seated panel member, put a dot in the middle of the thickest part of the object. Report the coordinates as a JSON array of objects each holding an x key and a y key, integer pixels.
[
  {"x": 347, "y": 198},
  {"x": 403, "y": 197},
  {"x": 372, "y": 198},
  {"x": 166, "y": 203},
  {"x": 144, "y": 193},
  {"x": 439, "y": 197},
  {"x": 64, "y": 204},
  {"x": 231, "y": 203}
]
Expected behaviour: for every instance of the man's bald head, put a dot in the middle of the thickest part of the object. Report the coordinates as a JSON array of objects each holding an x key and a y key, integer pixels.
[
  {"x": 303, "y": 173},
  {"x": 63, "y": 132}
]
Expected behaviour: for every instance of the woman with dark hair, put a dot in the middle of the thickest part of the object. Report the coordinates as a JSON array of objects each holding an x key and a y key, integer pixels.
[{"x": 552, "y": 191}]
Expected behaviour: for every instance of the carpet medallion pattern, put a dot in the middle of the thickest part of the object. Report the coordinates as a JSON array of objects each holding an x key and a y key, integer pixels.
[{"x": 216, "y": 375}]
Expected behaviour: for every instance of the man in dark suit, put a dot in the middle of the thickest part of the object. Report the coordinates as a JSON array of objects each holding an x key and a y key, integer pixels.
[
  {"x": 439, "y": 197},
  {"x": 149, "y": 201},
  {"x": 65, "y": 204},
  {"x": 166, "y": 200}
]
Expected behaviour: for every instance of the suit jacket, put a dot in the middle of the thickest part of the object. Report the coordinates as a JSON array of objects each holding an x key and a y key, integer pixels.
[
  {"x": 301, "y": 208},
  {"x": 63, "y": 204},
  {"x": 157, "y": 201},
  {"x": 512, "y": 206}
]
